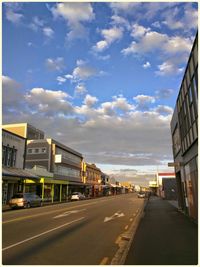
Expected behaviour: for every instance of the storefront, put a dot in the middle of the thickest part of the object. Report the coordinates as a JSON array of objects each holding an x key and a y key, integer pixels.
[{"x": 13, "y": 182}]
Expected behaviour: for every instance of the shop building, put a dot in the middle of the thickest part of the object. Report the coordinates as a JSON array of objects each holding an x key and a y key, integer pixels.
[
  {"x": 64, "y": 162},
  {"x": 13, "y": 163},
  {"x": 93, "y": 180},
  {"x": 184, "y": 125}
]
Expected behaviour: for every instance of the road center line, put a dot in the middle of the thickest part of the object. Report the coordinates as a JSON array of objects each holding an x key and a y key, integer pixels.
[{"x": 44, "y": 233}]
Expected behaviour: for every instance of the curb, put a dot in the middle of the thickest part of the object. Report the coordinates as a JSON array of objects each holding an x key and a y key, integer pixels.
[{"x": 127, "y": 238}]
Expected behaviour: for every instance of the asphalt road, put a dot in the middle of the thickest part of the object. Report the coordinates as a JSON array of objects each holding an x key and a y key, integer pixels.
[{"x": 77, "y": 233}]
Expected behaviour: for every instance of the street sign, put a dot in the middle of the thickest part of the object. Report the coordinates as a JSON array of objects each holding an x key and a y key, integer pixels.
[{"x": 174, "y": 164}]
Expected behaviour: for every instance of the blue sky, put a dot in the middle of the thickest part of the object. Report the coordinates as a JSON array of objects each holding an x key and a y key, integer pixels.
[{"x": 102, "y": 78}]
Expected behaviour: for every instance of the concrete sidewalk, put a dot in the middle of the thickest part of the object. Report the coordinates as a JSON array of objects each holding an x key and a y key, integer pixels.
[{"x": 164, "y": 237}]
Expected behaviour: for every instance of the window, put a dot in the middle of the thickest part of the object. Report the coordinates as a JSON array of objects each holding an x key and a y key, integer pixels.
[
  {"x": 190, "y": 95},
  {"x": 9, "y": 156},
  {"x": 37, "y": 150},
  {"x": 176, "y": 141},
  {"x": 43, "y": 150},
  {"x": 30, "y": 151}
]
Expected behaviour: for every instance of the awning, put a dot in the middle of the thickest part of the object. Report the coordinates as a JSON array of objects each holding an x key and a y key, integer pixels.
[{"x": 18, "y": 173}]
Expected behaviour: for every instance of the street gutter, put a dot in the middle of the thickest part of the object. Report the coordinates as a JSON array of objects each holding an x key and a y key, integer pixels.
[{"x": 127, "y": 238}]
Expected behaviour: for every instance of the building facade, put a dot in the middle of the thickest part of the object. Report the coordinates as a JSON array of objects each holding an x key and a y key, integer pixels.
[
  {"x": 184, "y": 130},
  {"x": 93, "y": 180},
  {"x": 64, "y": 162},
  {"x": 13, "y": 163}
]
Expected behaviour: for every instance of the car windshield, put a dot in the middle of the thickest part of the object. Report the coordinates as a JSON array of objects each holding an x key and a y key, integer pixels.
[{"x": 75, "y": 193}]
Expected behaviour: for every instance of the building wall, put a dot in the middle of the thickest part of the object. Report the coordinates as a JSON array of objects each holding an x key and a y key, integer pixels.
[
  {"x": 38, "y": 153},
  {"x": 93, "y": 174},
  {"x": 169, "y": 188},
  {"x": 64, "y": 162},
  {"x": 184, "y": 127}
]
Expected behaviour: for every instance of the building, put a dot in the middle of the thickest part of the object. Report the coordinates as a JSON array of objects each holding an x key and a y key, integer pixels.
[
  {"x": 161, "y": 177},
  {"x": 63, "y": 165},
  {"x": 64, "y": 162},
  {"x": 93, "y": 180},
  {"x": 25, "y": 130},
  {"x": 184, "y": 125},
  {"x": 13, "y": 163},
  {"x": 169, "y": 189}
]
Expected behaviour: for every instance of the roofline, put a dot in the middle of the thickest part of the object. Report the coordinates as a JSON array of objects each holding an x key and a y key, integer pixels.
[{"x": 14, "y": 134}]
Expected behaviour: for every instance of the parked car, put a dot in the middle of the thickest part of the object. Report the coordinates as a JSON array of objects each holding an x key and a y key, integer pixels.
[
  {"x": 25, "y": 200},
  {"x": 141, "y": 195},
  {"x": 77, "y": 196}
]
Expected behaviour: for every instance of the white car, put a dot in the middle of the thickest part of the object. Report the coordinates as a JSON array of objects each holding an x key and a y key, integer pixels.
[
  {"x": 77, "y": 196},
  {"x": 141, "y": 195}
]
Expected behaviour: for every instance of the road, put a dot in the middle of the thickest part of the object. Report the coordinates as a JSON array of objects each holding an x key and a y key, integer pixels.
[{"x": 77, "y": 233}]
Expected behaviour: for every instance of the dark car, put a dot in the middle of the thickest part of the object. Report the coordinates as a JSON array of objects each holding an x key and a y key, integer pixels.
[{"x": 25, "y": 200}]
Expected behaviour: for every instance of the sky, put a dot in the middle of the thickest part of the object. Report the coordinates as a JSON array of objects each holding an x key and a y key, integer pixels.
[{"x": 101, "y": 78}]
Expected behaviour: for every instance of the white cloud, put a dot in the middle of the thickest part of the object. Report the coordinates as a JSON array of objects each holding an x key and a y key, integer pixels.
[
  {"x": 148, "y": 43},
  {"x": 177, "y": 45},
  {"x": 49, "y": 102},
  {"x": 80, "y": 89},
  {"x": 177, "y": 18},
  {"x": 156, "y": 24},
  {"x": 109, "y": 35},
  {"x": 12, "y": 12},
  {"x": 162, "y": 109},
  {"x": 168, "y": 68},
  {"x": 139, "y": 31},
  {"x": 124, "y": 7},
  {"x": 75, "y": 14},
  {"x": 48, "y": 32},
  {"x": 90, "y": 100},
  {"x": 164, "y": 93},
  {"x": 36, "y": 24},
  {"x": 56, "y": 64},
  {"x": 61, "y": 80},
  {"x": 143, "y": 101},
  {"x": 120, "y": 21},
  {"x": 82, "y": 72},
  {"x": 146, "y": 65}
]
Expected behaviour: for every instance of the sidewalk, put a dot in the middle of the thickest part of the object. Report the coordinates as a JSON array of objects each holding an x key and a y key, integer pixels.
[{"x": 164, "y": 237}]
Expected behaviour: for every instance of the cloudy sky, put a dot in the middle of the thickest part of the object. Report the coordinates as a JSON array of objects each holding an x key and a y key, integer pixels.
[{"x": 101, "y": 78}]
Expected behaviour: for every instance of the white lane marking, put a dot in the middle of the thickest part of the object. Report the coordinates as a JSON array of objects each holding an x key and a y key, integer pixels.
[
  {"x": 116, "y": 215},
  {"x": 68, "y": 213},
  {"x": 44, "y": 233}
]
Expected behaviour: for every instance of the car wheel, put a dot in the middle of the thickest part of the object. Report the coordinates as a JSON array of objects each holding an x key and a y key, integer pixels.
[{"x": 28, "y": 205}]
